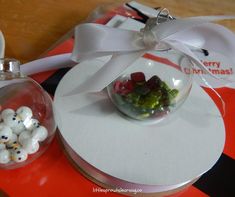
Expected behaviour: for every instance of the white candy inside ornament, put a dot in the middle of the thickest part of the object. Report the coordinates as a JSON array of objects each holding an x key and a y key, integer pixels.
[
  {"x": 24, "y": 113},
  {"x": 4, "y": 156},
  {"x": 20, "y": 134},
  {"x": 14, "y": 122},
  {"x": 13, "y": 138},
  {"x": 24, "y": 135},
  {"x": 19, "y": 128},
  {"x": 2, "y": 146},
  {"x": 6, "y": 112},
  {"x": 11, "y": 119},
  {"x": 12, "y": 142},
  {"x": 5, "y": 133},
  {"x": 31, "y": 124},
  {"x": 30, "y": 145},
  {"x": 40, "y": 133},
  {"x": 19, "y": 155}
]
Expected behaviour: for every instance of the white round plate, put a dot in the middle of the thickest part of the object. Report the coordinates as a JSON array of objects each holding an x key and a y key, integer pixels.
[{"x": 123, "y": 153}]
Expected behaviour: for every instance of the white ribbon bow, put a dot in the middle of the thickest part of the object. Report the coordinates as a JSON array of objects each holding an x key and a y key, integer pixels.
[{"x": 125, "y": 46}]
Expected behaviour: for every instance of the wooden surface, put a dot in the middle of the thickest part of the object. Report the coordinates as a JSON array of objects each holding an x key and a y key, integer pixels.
[{"x": 32, "y": 26}]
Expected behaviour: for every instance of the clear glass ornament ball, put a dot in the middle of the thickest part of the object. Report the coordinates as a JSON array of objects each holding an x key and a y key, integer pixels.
[
  {"x": 27, "y": 124},
  {"x": 153, "y": 87}
]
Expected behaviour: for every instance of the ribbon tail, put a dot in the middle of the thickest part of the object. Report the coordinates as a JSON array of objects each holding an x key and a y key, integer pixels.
[
  {"x": 217, "y": 94},
  {"x": 181, "y": 47},
  {"x": 47, "y": 63},
  {"x": 108, "y": 73},
  {"x": 222, "y": 41}
]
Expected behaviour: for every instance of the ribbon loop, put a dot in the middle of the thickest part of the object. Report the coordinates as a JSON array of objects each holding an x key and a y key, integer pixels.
[{"x": 184, "y": 35}]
